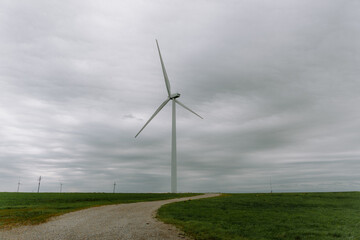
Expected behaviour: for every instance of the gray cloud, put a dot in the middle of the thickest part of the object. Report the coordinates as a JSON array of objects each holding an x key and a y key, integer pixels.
[{"x": 277, "y": 84}]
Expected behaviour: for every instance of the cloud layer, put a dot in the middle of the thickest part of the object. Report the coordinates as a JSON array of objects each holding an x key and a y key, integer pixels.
[{"x": 277, "y": 85}]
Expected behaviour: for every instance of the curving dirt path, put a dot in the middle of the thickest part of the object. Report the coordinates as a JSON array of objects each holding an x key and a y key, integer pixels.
[{"x": 132, "y": 221}]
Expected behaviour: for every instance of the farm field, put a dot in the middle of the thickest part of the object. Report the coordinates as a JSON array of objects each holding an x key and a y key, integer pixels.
[
  {"x": 34, "y": 208},
  {"x": 296, "y": 216}
]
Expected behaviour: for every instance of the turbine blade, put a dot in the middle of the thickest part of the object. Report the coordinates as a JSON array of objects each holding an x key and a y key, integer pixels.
[
  {"x": 156, "y": 112},
  {"x": 167, "y": 83},
  {"x": 181, "y": 104}
]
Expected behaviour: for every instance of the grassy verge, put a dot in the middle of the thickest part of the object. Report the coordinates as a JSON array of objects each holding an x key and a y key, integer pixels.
[
  {"x": 297, "y": 216},
  {"x": 34, "y": 208}
]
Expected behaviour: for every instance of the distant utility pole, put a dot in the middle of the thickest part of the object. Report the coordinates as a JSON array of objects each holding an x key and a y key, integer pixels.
[
  {"x": 270, "y": 186},
  {"x": 39, "y": 184},
  {"x": 60, "y": 187},
  {"x": 18, "y": 185},
  {"x": 114, "y": 187}
]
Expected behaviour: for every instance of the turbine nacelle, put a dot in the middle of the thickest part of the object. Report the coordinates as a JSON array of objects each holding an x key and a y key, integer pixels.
[{"x": 175, "y": 95}]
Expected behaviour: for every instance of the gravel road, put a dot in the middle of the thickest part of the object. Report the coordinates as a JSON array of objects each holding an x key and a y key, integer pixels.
[{"x": 132, "y": 221}]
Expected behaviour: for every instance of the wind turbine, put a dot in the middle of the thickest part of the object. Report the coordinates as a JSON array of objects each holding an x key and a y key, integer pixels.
[
  {"x": 39, "y": 184},
  {"x": 18, "y": 185},
  {"x": 173, "y": 97}
]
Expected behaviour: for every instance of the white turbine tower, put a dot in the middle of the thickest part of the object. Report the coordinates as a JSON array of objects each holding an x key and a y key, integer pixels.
[
  {"x": 39, "y": 185},
  {"x": 18, "y": 185},
  {"x": 173, "y": 97}
]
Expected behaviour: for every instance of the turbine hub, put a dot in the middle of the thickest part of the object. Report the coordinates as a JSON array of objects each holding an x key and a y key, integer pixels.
[{"x": 175, "y": 95}]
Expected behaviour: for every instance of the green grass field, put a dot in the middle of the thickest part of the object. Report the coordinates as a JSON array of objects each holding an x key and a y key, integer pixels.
[
  {"x": 297, "y": 216},
  {"x": 34, "y": 208}
]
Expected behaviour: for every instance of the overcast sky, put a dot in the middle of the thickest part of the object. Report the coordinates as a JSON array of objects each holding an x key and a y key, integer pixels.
[{"x": 277, "y": 83}]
